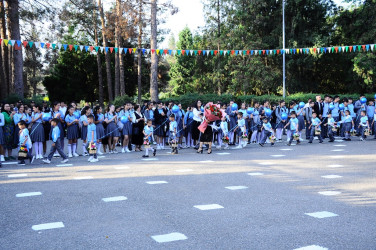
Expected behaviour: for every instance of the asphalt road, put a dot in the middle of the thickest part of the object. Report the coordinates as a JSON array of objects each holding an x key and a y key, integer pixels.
[{"x": 276, "y": 190}]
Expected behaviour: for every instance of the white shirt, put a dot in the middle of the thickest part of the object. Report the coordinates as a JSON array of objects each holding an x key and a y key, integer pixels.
[
  {"x": 196, "y": 115},
  {"x": 63, "y": 110}
]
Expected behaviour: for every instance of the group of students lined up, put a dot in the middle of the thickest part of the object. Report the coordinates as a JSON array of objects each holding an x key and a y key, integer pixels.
[{"x": 130, "y": 125}]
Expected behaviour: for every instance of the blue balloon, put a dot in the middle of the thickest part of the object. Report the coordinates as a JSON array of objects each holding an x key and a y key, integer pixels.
[
  {"x": 175, "y": 109},
  {"x": 341, "y": 106},
  {"x": 234, "y": 107},
  {"x": 46, "y": 117},
  {"x": 284, "y": 116},
  {"x": 202, "y": 109},
  {"x": 77, "y": 114},
  {"x": 363, "y": 100},
  {"x": 124, "y": 119},
  {"x": 255, "y": 112},
  {"x": 375, "y": 96},
  {"x": 331, "y": 106},
  {"x": 301, "y": 105},
  {"x": 250, "y": 111},
  {"x": 268, "y": 112}
]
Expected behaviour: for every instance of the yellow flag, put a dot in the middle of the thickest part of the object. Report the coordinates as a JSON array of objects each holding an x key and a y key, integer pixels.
[
  {"x": 134, "y": 50},
  {"x": 311, "y": 50},
  {"x": 6, "y": 42}
]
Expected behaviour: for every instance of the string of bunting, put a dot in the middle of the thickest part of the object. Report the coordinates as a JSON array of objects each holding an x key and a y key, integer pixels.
[{"x": 86, "y": 48}]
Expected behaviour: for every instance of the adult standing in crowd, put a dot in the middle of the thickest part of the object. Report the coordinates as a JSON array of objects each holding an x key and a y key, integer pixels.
[
  {"x": 196, "y": 121},
  {"x": 8, "y": 130},
  {"x": 137, "y": 130}
]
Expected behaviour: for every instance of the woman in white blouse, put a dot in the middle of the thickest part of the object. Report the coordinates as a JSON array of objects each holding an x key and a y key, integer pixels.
[{"x": 196, "y": 121}]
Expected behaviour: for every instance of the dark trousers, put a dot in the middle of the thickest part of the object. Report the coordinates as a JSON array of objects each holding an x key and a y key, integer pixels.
[
  {"x": 324, "y": 130},
  {"x": 330, "y": 133},
  {"x": 308, "y": 130},
  {"x": 292, "y": 137},
  {"x": 265, "y": 136},
  {"x": 57, "y": 148},
  {"x": 313, "y": 128},
  {"x": 361, "y": 132}
]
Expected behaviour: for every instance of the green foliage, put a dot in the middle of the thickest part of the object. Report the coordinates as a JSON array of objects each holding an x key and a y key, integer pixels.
[{"x": 121, "y": 100}]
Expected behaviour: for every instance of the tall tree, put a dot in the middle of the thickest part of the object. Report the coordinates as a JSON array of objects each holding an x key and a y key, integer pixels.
[
  {"x": 99, "y": 61},
  {"x": 108, "y": 59},
  {"x": 4, "y": 54},
  {"x": 154, "y": 56},
  {"x": 17, "y": 63},
  {"x": 139, "y": 58},
  {"x": 119, "y": 15}
]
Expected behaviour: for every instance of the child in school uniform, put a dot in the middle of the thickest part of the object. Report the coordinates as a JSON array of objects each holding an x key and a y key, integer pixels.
[
  {"x": 363, "y": 124},
  {"x": 370, "y": 110},
  {"x": 37, "y": 132},
  {"x": 256, "y": 126},
  {"x": 72, "y": 131},
  {"x": 348, "y": 124},
  {"x": 83, "y": 122},
  {"x": 2, "y": 139},
  {"x": 294, "y": 127},
  {"x": 98, "y": 120},
  {"x": 91, "y": 137},
  {"x": 56, "y": 142},
  {"x": 268, "y": 131},
  {"x": 24, "y": 141},
  {"x": 172, "y": 135},
  {"x": 127, "y": 128},
  {"x": 242, "y": 130},
  {"x": 223, "y": 128},
  {"x": 315, "y": 125},
  {"x": 331, "y": 124},
  {"x": 148, "y": 133}
]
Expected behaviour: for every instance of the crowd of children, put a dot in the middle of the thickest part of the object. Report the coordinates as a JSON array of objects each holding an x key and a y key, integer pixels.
[{"x": 154, "y": 125}]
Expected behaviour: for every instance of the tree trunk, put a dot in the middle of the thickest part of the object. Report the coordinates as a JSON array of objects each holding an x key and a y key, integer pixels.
[
  {"x": 33, "y": 80},
  {"x": 119, "y": 15},
  {"x": 99, "y": 61},
  {"x": 10, "y": 50},
  {"x": 139, "y": 71},
  {"x": 108, "y": 59},
  {"x": 117, "y": 73},
  {"x": 4, "y": 51},
  {"x": 154, "y": 56}
]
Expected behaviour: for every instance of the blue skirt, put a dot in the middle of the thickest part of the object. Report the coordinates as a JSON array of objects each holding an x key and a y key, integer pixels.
[
  {"x": 301, "y": 122},
  {"x": 83, "y": 132},
  {"x": 2, "y": 140},
  {"x": 160, "y": 130},
  {"x": 112, "y": 130},
  {"x": 37, "y": 132},
  {"x": 72, "y": 132},
  {"x": 127, "y": 129},
  {"x": 100, "y": 131}
]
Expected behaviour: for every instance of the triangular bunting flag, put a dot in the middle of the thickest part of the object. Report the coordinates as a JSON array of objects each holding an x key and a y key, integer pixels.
[
  {"x": 338, "y": 49},
  {"x": 343, "y": 48},
  {"x": 48, "y": 45},
  {"x": 130, "y": 51},
  {"x": 106, "y": 49},
  {"x": 6, "y": 42},
  {"x": 187, "y": 51},
  {"x": 59, "y": 45},
  {"x": 70, "y": 47},
  {"x": 65, "y": 46},
  {"x": 121, "y": 51},
  {"x": 347, "y": 48},
  {"x": 372, "y": 46},
  {"x": 183, "y": 52},
  {"x": 134, "y": 50},
  {"x": 86, "y": 48},
  {"x": 19, "y": 43},
  {"x": 11, "y": 42},
  {"x": 116, "y": 50},
  {"x": 165, "y": 51},
  {"x": 53, "y": 46},
  {"x": 111, "y": 49},
  {"x": 42, "y": 45},
  {"x": 153, "y": 51},
  {"x": 354, "y": 48},
  {"x": 96, "y": 48},
  {"x": 37, "y": 44},
  {"x": 195, "y": 52},
  {"x": 363, "y": 47},
  {"x": 75, "y": 47},
  {"x": 81, "y": 47},
  {"x": 199, "y": 52},
  {"x": 359, "y": 47},
  {"x": 191, "y": 52},
  {"x": 211, "y": 52},
  {"x": 148, "y": 51},
  {"x": 170, "y": 52},
  {"x": 367, "y": 47},
  {"x": 24, "y": 43},
  {"x": 102, "y": 49},
  {"x": 351, "y": 48}
]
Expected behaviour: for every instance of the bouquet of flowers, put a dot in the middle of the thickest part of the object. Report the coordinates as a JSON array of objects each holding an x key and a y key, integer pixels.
[
  {"x": 353, "y": 132},
  {"x": 367, "y": 132},
  {"x": 272, "y": 138},
  {"x": 146, "y": 142},
  {"x": 225, "y": 139},
  {"x": 245, "y": 137},
  {"x": 92, "y": 148},
  {"x": 335, "y": 128},
  {"x": 22, "y": 153},
  {"x": 317, "y": 131},
  {"x": 296, "y": 136},
  {"x": 212, "y": 113},
  {"x": 174, "y": 143}
]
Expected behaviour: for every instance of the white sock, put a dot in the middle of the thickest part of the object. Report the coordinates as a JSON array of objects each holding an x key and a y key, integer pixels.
[
  {"x": 35, "y": 148},
  {"x": 147, "y": 152},
  {"x": 70, "y": 149},
  {"x": 99, "y": 146},
  {"x": 74, "y": 147},
  {"x": 40, "y": 148},
  {"x": 83, "y": 148}
]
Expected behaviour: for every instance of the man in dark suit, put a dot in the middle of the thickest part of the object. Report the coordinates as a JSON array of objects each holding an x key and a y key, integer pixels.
[{"x": 319, "y": 106}]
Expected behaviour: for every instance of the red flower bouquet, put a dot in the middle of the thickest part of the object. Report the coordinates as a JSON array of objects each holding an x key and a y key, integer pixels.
[{"x": 212, "y": 113}]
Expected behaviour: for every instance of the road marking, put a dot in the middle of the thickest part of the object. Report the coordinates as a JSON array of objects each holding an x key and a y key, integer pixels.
[
  {"x": 337, "y": 150},
  {"x": 225, "y": 153},
  {"x": 64, "y": 165},
  {"x": 208, "y": 207},
  {"x": 236, "y": 187},
  {"x": 266, "y": 163},
  {"x": 255, "y": 174},
  {"x": 116, "y": 198},
  {"x": 48, "y": 226},
  {"x": 156, "y": 182},
  {"x": 278, "y": 155},
  {"x": 336, "y": 156},
  {"x": 329, "y": 193},
  {"x": 83, "y": 178},
  {"x": 121, "y": 168},
  {"x": 150, "y": 159},
  {"x": 16, "y": 175},
  {"x": 184, "y": 170},
  {"x": 286, "y": 149},
  {"x": 208, "y": 161},
  {"x": 322, "y": 214},
  {"x": 169, "y": 237},
  {"x": 101, "y": 156},
  {"x": 331, "y": 176},
  {"x": 339, "y": 140},
  {"x": 335, "y": 166},
  {"x": 28, "y": 194},
  {"x": 312, "y": 247},
  {"x": 9, "y": 163},
  {"x": 340, "y": 145}
]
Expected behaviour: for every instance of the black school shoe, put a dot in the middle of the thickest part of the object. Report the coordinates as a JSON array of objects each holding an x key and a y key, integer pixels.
[
  {"x": 145, "y": 156},
  {"x": 155, "y": 152},
  {"x": 21, "y": 163},
  {"x": 261, "y": 144}
]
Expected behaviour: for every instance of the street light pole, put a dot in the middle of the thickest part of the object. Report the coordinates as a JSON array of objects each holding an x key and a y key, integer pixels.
[{"x": 284, "y": 54}]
